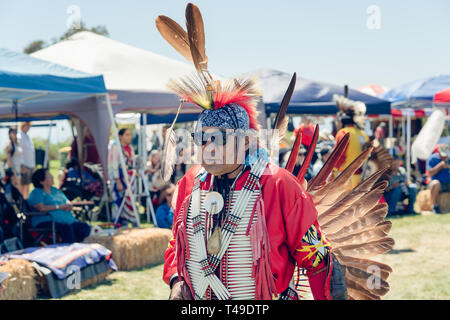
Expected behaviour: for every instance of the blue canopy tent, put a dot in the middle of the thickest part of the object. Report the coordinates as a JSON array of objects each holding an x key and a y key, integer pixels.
[
  {"x": 417, "y": 94},
  {"x": 31, "y": 88},
  {"x": 413, "y": 95},
  {"x": 310, "y": 97}
]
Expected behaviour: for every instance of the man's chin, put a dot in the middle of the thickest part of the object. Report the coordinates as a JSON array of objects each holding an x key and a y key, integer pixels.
[{"x": 213, "y": 168}]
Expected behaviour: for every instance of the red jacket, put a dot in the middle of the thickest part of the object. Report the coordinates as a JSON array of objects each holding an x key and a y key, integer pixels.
[{"x": 289, "y": 214}]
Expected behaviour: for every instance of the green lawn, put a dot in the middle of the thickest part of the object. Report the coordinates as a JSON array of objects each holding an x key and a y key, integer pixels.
[{"x": 420, "y": 260}]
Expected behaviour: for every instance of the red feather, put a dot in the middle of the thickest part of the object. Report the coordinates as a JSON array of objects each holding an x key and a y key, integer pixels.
[{"x": 241, "y": 98}]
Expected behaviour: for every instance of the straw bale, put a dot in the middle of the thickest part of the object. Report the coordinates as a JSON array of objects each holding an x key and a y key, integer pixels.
[
  {"x": 444, "y": 202},
  {"x": 136, "y": 247},
  {"x": 22, "y": 284},
  {"x": 423, "y": 201}
]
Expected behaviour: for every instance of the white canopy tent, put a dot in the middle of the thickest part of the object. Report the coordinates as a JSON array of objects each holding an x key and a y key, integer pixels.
[
  {"x": 135, "y": 79},
  {"x": 123, "y": 67}
]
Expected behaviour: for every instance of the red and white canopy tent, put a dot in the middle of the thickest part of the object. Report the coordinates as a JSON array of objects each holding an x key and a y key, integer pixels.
[{"x": 442, "y": 97}]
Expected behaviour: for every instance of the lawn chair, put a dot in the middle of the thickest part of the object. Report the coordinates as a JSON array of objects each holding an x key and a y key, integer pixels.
[{"x": 35, "y": 236}]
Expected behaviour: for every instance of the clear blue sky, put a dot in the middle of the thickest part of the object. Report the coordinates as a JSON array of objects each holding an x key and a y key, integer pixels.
[{"x": 324, "y": 40}]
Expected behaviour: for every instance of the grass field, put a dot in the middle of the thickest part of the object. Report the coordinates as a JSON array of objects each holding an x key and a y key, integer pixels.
[{"x": 420, "y": 260}]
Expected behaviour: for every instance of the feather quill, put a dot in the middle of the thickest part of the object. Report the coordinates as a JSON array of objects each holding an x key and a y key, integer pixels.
[
  {"x": 337, "y": 218},
  {"x": 294, "y": 153},
  {"x": 359, "y": 191},
  {"x": 169, "y": 156},
  {"x": 312, "y": 147},
  {"x": 380, "y": 231},
  {"x": 281, "y": 120},
  {"x": 367, "y": 280},
  {"x": 367, "y": 221},
  {"x": 366, "y": 264},
  {"x": 196, "y": 37},
  {"x": 367, "y": 250},
  {"x": 175, "y": 35},
  {"x": 320, "y": 179},
  {"x": 332, "y": 191}
]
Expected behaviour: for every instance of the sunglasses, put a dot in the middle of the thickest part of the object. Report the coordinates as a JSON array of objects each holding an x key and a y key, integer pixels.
[{"x": 217, "y": 137}]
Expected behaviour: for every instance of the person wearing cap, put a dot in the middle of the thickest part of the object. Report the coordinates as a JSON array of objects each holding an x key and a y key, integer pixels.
[{"x": 438, "y": 170}]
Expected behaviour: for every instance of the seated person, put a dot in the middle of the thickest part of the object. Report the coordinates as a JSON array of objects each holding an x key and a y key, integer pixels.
[
  {"x": 46, "y": 198},
  {"x": 12, "y": 202},
  {"x": 399, "y": 188},
  {"x": 164, "y": 213},
  {"x": 438, "y": 170}
]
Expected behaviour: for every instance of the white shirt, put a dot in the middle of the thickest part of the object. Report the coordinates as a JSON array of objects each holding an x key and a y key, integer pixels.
[{"x": 28, "y": 154}]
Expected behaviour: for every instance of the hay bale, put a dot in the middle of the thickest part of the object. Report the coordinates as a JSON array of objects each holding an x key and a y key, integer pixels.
[
  {"x": 444, "y": 202},
  {"x": 95, "y": 279},
  {"x": 135, "y": 248},
  {"x": 44, "y": 290},
  {"x": 22, "y": 284},
  {"x": 423, "y": 201}
]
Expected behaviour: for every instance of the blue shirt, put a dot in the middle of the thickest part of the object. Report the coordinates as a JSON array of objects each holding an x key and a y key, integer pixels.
[
  {"x": 56, "y": 197},
  {"x": 444, "y": 174},
  {"x": 164, "y": 216}
]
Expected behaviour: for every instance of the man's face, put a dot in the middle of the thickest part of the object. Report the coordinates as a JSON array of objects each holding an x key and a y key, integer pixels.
[
  {"x": 222, "y": 151},
  {"x": 26, "y": 127}
]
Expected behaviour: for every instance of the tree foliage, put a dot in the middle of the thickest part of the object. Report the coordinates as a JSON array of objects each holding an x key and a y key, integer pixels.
[{"x": 37, "y": 45}]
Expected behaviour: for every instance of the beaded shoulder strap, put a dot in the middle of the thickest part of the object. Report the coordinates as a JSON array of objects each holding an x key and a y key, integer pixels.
[{"x": 210, "y": 263}]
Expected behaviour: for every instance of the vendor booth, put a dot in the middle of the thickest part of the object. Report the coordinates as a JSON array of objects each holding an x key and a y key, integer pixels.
[{"x": 416, "y": 95}]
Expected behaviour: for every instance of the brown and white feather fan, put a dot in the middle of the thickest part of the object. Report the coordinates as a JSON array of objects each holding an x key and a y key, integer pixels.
[{"x": 354, "y": 223}]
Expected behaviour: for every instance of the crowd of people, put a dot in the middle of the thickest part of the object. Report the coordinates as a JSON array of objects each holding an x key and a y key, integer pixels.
[
  {"x": 47, "y": 204},
  {"x": 159, "y": 190}
]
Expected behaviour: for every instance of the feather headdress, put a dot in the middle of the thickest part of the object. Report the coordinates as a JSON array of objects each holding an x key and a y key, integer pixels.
[
  {"x": 201, "y": 89},
  {"x": 351, "y": 109}
]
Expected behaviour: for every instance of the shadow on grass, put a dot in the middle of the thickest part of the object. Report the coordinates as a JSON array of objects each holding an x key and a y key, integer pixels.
[{"x": 393, "y": 251}]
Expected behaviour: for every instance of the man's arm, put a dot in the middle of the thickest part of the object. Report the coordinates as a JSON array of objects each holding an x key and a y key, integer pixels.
[
  {"x": 325, "y": 276},
  {"x": 434, "y": 170}
]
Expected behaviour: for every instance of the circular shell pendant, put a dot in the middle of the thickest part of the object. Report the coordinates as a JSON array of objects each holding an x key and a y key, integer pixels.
[{"x": 213, "y": 202}]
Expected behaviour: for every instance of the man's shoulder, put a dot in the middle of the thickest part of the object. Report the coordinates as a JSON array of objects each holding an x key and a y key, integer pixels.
[
  {"x": 274, "y": 175},
  {"x": 189, "y": 176}
]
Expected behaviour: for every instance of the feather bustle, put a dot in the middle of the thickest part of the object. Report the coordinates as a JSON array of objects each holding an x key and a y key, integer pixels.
[
  {"x": 367, "y": 250},
  {"x": 320, "y": 179}
]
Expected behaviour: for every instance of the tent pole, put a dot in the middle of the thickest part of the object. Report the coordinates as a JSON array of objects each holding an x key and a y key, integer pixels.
[
  {"x": 47, "y": 147},
  {"x": 408, "y": 145},
  {"x": 144, "y": 162},
  {"x": 139, "y": 156},
  {"x": 391, "y": 134},
  {"x": 128, "y": 190}
]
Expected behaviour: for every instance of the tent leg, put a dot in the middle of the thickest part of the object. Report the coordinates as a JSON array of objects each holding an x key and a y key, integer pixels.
[
  {"x": 47, "y": 147},
  {"x": 128, "y": 190},
  {"x": 391, "y": 134},
  {"x": 144, "y": 162},
  {"x": 408, "y": 145}
]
